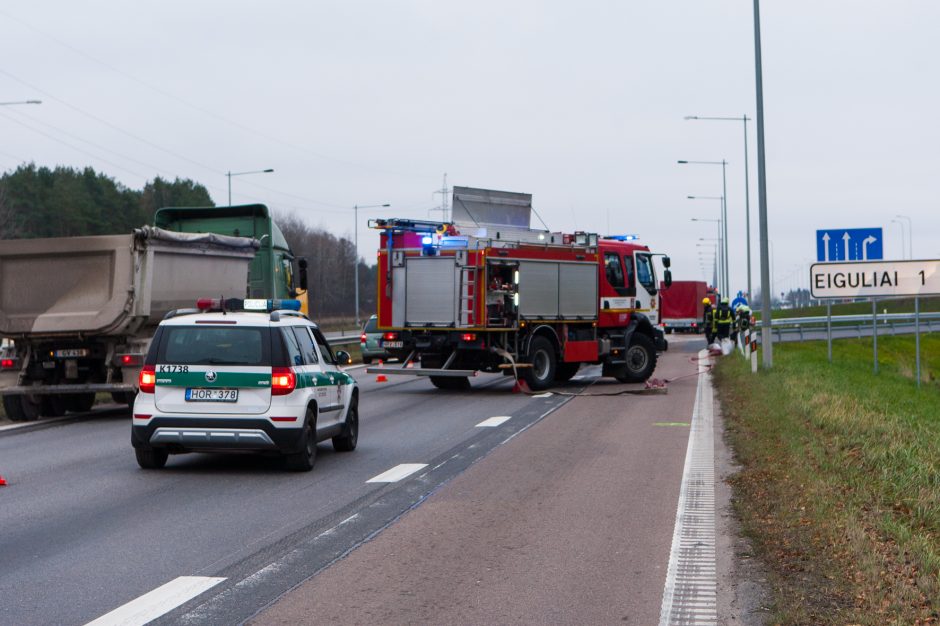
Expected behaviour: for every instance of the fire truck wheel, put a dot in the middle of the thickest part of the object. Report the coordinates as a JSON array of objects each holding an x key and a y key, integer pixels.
[
  {"x": 451, "y": 383},
  {"x": 641, "y": 359},
  {"x": 565, "y": 371},
  {"x": 14, "y": 408},
  {"x": 542, "y": 357},
  {"x": 55, "y": 405}
]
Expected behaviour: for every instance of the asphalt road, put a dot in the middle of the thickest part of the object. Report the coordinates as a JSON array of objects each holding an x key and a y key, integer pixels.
[
  {"x": 570, "y": 521},
  {"x": 84, "y": 531}
]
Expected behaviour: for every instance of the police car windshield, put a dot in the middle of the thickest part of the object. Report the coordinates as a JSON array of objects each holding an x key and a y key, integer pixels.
[{"x": 200, "y": 345}]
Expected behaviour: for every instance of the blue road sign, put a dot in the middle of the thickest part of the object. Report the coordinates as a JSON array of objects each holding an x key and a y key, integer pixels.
[{"x": 849, "y": 244}]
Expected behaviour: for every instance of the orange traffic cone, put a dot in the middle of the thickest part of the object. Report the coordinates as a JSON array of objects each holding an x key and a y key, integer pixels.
[
  {"x": 521, "y": 387},
  {"x": 3, "y": 483},
  {"x": 381, "y": 378}
]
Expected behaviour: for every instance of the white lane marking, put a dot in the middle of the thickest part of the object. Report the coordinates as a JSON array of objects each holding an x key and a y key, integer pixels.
[
  {"x": 547, "y": 394},
  {"x": 397, "y": 473},
  {"x": 160, "y": 601},
  {"x": 691, "y": 591},
  {"x": 494, "y": 421}
]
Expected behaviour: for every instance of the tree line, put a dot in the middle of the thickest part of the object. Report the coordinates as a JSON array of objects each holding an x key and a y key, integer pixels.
[{"x": 67, "y": 202}]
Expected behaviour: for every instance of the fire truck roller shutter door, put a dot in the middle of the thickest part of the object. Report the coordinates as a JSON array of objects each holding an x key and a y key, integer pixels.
[
  {"x": 431, "y": 291},
  {"x": 578, "y": 295}
]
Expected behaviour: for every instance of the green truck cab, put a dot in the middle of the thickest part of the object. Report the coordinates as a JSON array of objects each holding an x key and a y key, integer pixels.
[{"x": 271, "y": 273}]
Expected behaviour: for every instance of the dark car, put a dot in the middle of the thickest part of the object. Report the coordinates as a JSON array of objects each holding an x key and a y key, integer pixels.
[{"x": 371, "y": 341}]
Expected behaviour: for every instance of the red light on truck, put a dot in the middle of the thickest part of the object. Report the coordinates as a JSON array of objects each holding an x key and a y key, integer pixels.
[
  {"x": 390, "y": 336},
  {"x": 468, "y": 337},
  {"x": 130, "y": 360},
  {"x": 283, "y": 381},
  {"x": 7, "y": 364},
  {"x": 147, "y": 380}
]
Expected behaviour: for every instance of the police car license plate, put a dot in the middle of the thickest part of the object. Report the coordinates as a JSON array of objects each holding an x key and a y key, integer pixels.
[
  {"x": 211, "y": 395},
  {"x": 392, "y": 344}
]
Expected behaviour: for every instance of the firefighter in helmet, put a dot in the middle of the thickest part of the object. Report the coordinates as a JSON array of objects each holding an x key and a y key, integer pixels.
[
  {"x": 742, "y": 320},
  {"x": 707, "y": 319},
  {"x": 722, "y": 319}
]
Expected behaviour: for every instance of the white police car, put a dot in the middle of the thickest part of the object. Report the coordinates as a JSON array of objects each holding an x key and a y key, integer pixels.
[{"x": 243, "y": 375}]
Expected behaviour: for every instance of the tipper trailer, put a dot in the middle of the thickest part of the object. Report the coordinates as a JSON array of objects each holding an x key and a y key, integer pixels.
[
  {"x": 485, "y": 292},
  {"x": 681, "y": 307},
  {"x": 82, "y": 310}
]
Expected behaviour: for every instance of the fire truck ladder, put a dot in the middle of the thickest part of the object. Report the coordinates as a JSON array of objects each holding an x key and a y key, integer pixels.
[{"x": 468, "y": 292}]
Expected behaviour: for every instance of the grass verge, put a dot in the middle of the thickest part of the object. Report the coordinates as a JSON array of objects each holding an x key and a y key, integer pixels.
[{"x": 840, "y": 481}]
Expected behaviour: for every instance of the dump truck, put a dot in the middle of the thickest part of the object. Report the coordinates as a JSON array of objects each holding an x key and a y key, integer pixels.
[
  {"x": 486, "y": 292},
  {"x": 81, "y": 311},
  {"x": 681, "y": 308}
]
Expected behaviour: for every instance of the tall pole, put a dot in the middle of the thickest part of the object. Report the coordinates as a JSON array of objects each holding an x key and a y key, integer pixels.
[
  {"x": 229, "y": 175},
  {"x": 766, "y": 336},
  {"x": 747, "y": 211},
  {"x": 356, "y": 258},
  {"x": 724, "y": 219}
]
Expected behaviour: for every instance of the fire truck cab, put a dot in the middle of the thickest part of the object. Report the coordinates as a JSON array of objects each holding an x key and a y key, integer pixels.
[{"x": 487, "y": 293}]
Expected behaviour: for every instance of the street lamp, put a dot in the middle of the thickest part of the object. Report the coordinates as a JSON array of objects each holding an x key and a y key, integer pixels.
[
  {"x": 910, "y": 238},
  {"x": 766, "y": 336},
  {"x": 903, "y": 237},
  {"x": 722, "y": 236},
  {"x": 231, "y": 173},
  {"x": 724, "y": 210},
  {"x": 356, "y": 248},
  {"x": 747, "y": 191},
  {"x": 21, "y": 102}
]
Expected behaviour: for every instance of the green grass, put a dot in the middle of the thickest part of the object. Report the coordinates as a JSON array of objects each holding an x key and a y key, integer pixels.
[
  {"x": 900, "y": 305},
  {"x": 840, "y": 482}
]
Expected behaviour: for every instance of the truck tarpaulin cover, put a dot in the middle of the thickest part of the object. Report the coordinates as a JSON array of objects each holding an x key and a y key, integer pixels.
[
  {"x": 489, "y": 207},
  {"x": 154, "y": 233}
]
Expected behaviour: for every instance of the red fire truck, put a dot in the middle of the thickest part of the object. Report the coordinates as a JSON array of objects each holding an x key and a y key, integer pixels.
[{"x": 495, "y": 295}]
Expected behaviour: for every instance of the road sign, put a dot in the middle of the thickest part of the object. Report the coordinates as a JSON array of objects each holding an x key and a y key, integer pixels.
[
  {"x": 875, "y": 279},
  {"x": 849, "y": 244}
]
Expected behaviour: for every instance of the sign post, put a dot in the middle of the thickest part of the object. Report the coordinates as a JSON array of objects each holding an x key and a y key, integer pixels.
[
  {"x": 829, "y": 328},
  {"x": 917, "y": 336},
  {"x": 874, "y": 330}
]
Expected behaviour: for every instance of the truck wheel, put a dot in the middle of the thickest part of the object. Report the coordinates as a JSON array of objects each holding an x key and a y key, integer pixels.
[
  {"x": 151, "y": 458},
  {"x": 542, "y": 357},
  {"x": 303, "y": 461},
  {"x": 451, "y": 383},
  {"x": 367, "y": 360},
  {"x": 641, "y": 359},
  {"x": 55, "y": 406},
  {"x": 81, "y": 402},
  {"x": 124, "y": 397},
  {"x": 346, "y": 442},
  {"x": 13, "y": 406},
  {"x": 566, "y": 371},
  {"x": 31, "y": 406}
]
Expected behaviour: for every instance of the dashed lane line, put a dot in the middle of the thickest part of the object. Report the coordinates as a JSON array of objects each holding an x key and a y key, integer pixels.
[
  {"x": 160, "y": 601},
  {"x": 494, "y": 421},
  {"x": 397, "y": 473}
]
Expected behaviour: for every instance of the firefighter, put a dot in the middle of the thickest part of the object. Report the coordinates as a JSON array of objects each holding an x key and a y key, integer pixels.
[
  {"x": 722, "y": 320},
  {"x": 707, "y": 320},
  {"x": 743, "y": 320}
]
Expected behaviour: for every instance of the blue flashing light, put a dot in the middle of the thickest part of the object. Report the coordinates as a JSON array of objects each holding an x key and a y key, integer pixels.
[
  {"x": 285, "y": 305},
  {"x": 623, "y": 237}
]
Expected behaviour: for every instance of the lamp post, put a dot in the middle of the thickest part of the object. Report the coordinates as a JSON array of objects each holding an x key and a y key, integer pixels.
[
  {"x": 231, "y": 173},
  {"x": 910, "y": 237},
  {"x": 722, "y": 236},
  {"x": 356, "y": 249},
  {"x": 747, "y": 191},
  {"x": 21, "y": 102},
  {"x": 767, "y": 338},
  {"x": 903, "y": 238},
  {"x": 724, "y": 210}
]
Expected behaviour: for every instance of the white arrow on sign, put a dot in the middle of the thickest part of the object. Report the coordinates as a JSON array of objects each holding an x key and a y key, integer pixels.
[
  {"x": 825, "y": 239},
  {"x": 846, "y": 239},
  {"x": 869, "y": 239}
]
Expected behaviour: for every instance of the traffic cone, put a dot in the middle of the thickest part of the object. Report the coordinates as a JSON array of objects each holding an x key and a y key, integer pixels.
[
  {"x": 3, "y": 483},
  {"x": 381, "y": 378},
  {"x": 521, "y": 387}
]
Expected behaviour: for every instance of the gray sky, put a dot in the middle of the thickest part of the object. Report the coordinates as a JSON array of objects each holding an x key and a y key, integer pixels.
[{"x": 580, "y": 104}]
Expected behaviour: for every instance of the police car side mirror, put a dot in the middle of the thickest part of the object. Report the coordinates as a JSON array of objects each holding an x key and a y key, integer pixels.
[
  {"x": 667, "y": 275},
  {"x": 343, "y": 357}
]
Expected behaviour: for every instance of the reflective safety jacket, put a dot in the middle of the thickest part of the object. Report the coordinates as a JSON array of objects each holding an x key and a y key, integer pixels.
[{"x": 722, "y": 317}]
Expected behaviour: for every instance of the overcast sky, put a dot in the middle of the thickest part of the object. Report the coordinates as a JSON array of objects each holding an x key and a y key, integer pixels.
[{"x": 579, "y": 103}]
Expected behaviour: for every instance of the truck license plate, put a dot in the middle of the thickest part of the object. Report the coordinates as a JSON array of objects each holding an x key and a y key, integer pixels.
[
  {"x": 211, "y": 395},
  {"x": 71, "y": 353},
  {"x": 392, "y": 344}
]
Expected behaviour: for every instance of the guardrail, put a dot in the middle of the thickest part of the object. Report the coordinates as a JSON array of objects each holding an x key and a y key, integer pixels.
[
  {"x": 343, "y": 337},
  {"x": 862, "y": 323}
]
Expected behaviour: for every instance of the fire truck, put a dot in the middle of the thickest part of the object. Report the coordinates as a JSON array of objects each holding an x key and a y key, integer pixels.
[{"x": 486, "y": 292}]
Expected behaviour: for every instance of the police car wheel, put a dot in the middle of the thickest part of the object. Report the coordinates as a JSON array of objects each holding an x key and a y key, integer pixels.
[
  {"x": 641, "y": 360},
  {"x": 347, "y": 441},
  {"x": 303, "y": 461},
  {"x": 151, "y": 458}
]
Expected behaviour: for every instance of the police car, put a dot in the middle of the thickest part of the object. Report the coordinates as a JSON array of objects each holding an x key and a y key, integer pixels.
[{"x": 252, "y": 375}]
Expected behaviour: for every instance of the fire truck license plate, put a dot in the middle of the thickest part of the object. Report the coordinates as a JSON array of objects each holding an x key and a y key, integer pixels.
[
  {"x": 392, "y": 344},
  {"x": 71, "y": 353},
  {"x": 212, "y": 395}
]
